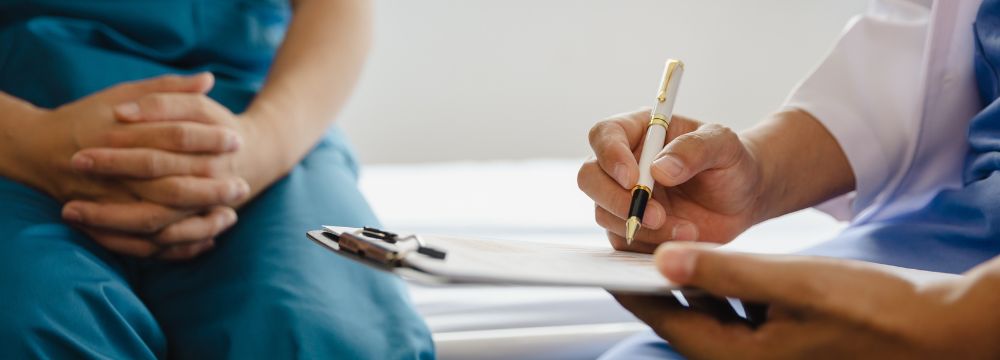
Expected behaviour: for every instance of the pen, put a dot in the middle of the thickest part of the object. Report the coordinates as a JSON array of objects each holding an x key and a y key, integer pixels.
[{"x": 656, "y": 135}]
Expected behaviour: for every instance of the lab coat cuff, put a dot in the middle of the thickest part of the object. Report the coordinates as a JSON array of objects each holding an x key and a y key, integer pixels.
[{"x": 856, "y": 141}]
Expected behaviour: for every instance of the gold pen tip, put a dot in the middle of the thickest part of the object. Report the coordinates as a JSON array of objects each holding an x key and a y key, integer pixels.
[{"x": 631, "y": 226}]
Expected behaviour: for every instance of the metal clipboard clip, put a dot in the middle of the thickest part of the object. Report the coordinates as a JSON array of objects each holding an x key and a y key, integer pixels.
[{"x": 382, "y": 247}]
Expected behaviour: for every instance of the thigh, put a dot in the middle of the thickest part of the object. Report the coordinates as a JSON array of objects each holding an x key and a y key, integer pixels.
[
  {"x": 63, "y": 296},
  {"x": 268, "y": 292}
]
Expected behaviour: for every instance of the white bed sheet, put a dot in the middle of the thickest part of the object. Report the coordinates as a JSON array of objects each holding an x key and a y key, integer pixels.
[{"x": 531, "y": 200}]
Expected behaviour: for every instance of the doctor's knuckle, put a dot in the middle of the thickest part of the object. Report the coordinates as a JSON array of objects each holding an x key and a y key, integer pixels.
[
  {"x": 599, "y": 131},
  {"x": 585, "y": 174}
]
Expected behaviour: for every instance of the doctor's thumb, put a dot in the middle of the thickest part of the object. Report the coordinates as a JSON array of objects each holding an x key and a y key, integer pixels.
[{"x": 709, "y": 146}]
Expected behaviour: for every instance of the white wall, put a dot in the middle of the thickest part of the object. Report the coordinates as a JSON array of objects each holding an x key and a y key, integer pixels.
[{"x": 510, "y": 79}]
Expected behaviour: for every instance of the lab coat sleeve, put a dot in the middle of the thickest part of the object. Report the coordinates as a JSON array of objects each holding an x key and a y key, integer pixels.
[{"x": 868, "y": 94}]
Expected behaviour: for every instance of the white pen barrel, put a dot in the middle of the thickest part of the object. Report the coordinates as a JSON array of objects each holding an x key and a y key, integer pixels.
[
  {"x": 656, "y": 135},
  {"x": 665, "y": 108}
]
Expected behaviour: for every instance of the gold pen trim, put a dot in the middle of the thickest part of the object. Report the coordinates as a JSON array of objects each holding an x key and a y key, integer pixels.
[
  {"x": 649, "y": 192},
  {"x": 668, "y": 74},
  {"x": 659, "y": 119}
]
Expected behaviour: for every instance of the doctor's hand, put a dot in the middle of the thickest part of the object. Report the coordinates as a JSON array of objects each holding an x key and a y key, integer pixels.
[
  {"x": 708, "y": 181},
  {"x": 166, "y": 194},
  {"x": 823, "y": 308}
]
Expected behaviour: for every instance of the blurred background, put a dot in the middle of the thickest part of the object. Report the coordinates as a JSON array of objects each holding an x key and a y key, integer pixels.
[{"x": 515, "y": 79}]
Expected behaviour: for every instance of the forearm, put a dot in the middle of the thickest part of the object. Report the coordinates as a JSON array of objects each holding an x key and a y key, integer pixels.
[
  {"x": 311, "y": 79},
  {"x": 801, "y": 163},
  {"x": 16, "y": 115}
]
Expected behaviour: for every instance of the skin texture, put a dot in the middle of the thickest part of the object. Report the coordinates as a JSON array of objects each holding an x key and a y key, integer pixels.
[
  {"x": 823, "y": 308},
  {"x": 143, "y": 197}
]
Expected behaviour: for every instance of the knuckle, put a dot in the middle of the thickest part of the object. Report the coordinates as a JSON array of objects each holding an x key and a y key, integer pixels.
[
  {"x": 117, "y": 138},
  {"x": 210, "y": 168},
  {"x": 181, "y": 136},
  {"x": 152, "y": 164},
  {"x": 598, "y": 130},
  {"x": 584, "y": 174},
  {"x": 172, "y": 188},
  {"x": 150, "y": 223},
  {"x": 154, "y": 104},
  {"x": 167, "y": 236},
  {"x": 694, "y": 139}
]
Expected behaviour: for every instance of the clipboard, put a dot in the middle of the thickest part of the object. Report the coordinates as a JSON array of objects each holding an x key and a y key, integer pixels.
[{"x": 443, "y": 260}]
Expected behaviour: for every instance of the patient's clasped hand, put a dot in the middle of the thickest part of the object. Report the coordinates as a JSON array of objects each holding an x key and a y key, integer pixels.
[{"x": 152, "y": 164}]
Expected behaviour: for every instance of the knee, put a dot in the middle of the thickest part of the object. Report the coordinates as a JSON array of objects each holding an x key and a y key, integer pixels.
[{"x": 349, "y": 326}]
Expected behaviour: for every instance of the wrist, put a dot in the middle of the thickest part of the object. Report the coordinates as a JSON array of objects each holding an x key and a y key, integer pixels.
[
  {"x": 766, "y": 186},
  {"x": 22, "y": 157},
  {"x": 261, "y": 160}
]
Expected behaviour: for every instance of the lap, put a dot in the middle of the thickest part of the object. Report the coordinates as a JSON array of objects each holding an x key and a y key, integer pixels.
[
  {"x": 63, "y": 295},
  {"x": 267, "y": 291}
]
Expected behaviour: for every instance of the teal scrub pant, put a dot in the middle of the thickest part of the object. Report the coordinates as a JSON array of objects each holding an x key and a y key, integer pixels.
[{"x": 265, "y": 291}]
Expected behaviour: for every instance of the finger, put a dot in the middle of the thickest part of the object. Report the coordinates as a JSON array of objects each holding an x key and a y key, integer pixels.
[
  {"x": 608, "y": 195},
  {"x": 144, "y": 163},
  {"x": 198, "y": 228},
  {"x": 680, "y": 229},
  {"x": 187, "y": 192},
  {"x": 175, "y": 136},
  {"x": 710, "y": 146},
  {"x": 817, "y": 284},
  {"x": 123, "y": 244},
  {"x": 691, "y": 333},
  {"x": 173, "y": 107},
  {"x": 613, "y": 140},
  {"x": 186, "y": 251},
  {"x": 134, "y": 217},
  {"x": 199, "y": 83},
  {"x": 618, "y": 243}
]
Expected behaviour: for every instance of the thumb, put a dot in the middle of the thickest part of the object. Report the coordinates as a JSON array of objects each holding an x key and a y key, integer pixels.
[
  {"x": 707, "y": 147},
  {"x": 199, "y": 83},
  {"x": 795, "y": 281},
  {"x": 840, "y": 288}
]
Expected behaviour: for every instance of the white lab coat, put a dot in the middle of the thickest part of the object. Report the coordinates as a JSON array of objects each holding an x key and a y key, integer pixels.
[{"x": 897, "y": 92}]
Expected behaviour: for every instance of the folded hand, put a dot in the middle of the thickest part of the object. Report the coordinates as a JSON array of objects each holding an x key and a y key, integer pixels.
[{"x": 145, "y": 168}]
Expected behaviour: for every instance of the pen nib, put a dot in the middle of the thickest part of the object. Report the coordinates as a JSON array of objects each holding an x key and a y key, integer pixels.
[{"x": 631, "y": 226}]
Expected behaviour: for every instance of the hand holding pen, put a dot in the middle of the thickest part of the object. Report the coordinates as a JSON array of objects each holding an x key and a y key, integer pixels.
[{"x": 706, "y": 182}]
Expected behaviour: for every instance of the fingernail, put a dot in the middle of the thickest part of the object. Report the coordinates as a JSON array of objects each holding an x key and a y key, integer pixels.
[
  {"x": 81, "y": 162},
  {"x": 71, "y": 214},
  {"x": 669, "y": 165},
  {"x": 129, "y": 110},
  {"x": 238, "y": 190},
  {"x": 677, "y": 263},
  {"x": 685, "y": 232},
  {"x": 232, "y": 142},
  {"x": 620, "y": 173}
]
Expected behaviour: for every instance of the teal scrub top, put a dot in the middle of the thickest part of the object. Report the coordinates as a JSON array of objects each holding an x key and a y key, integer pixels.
[{"x": 56, "y": 51}]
